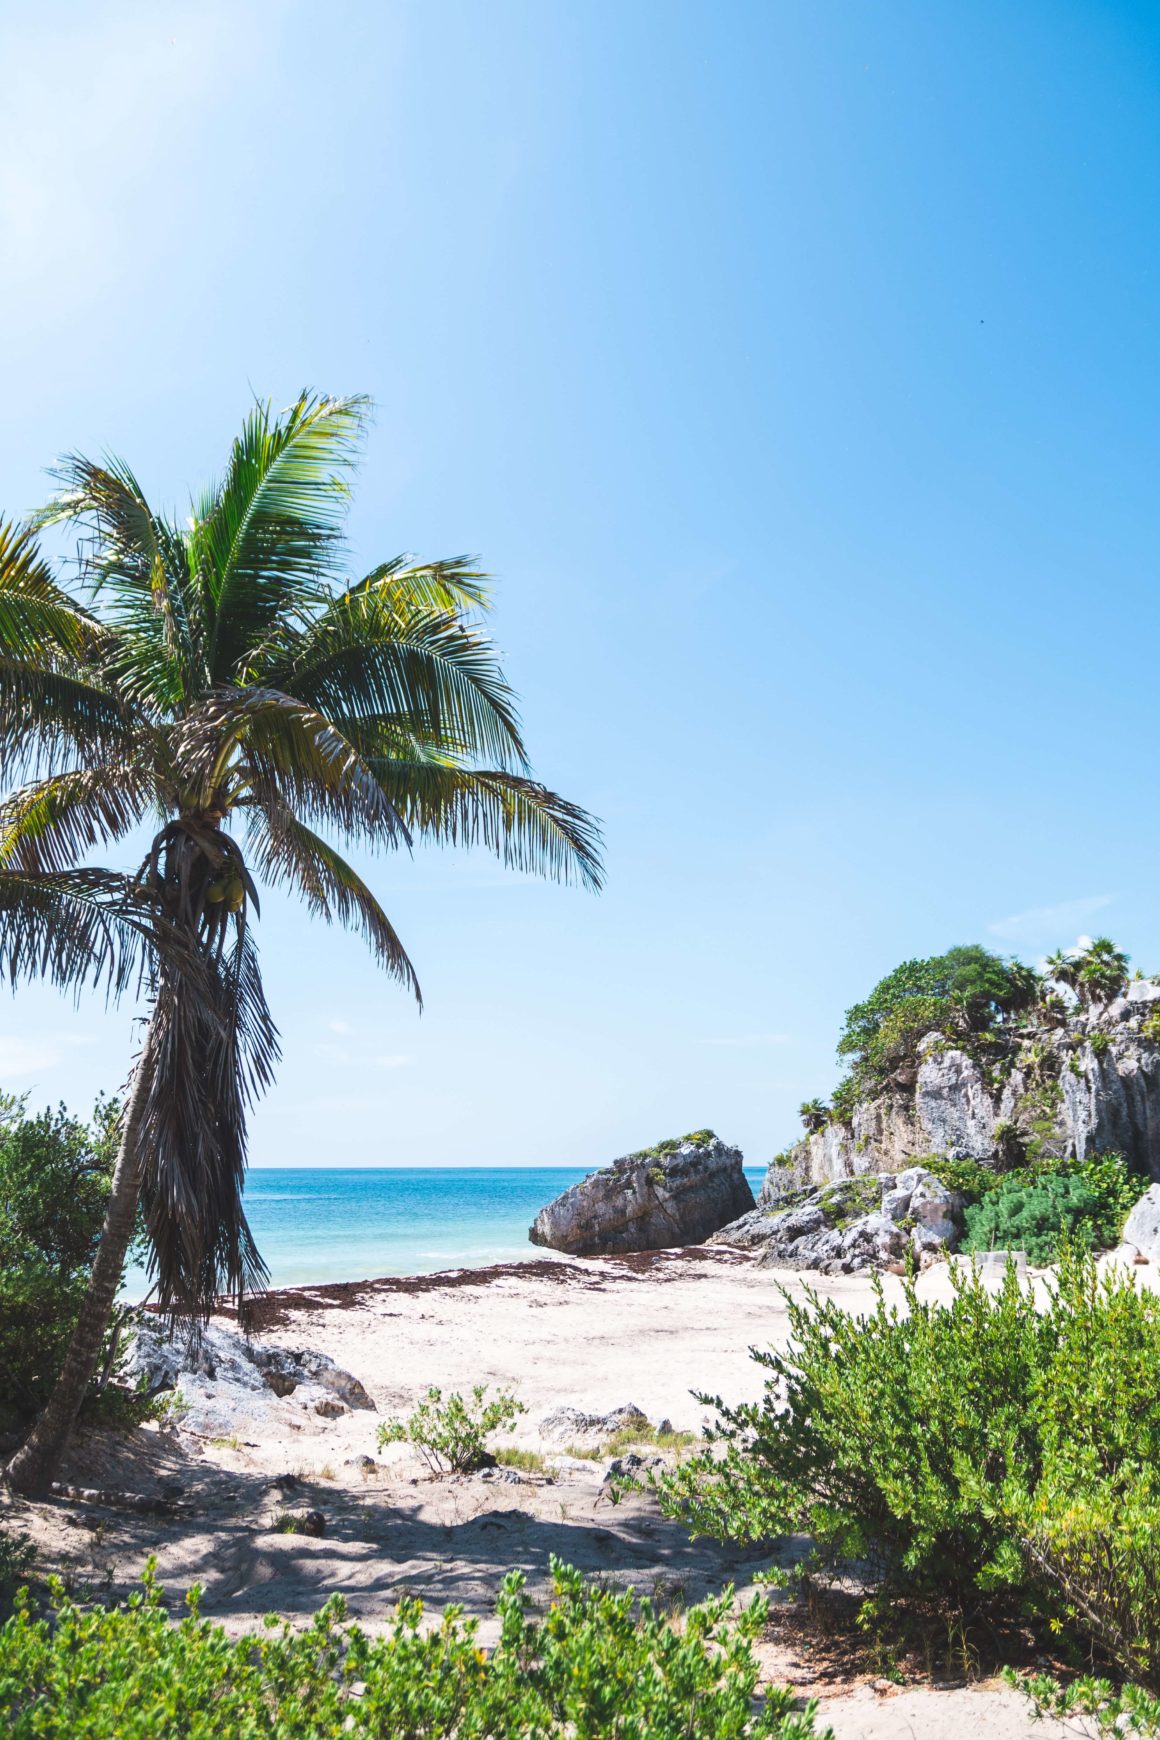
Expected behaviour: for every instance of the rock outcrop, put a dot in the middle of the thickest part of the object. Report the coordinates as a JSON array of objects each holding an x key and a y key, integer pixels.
[
  {"x": 1088, "y": 1084},
  {"x": 857, "y": 1223},
  {"x": 226, "y": 1380},
  {"x": 677, "y": 1194},
  {"x": 1143, "y": 1225}
]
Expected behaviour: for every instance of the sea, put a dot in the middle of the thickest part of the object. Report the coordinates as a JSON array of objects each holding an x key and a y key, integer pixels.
[{"x": 353, "y": 1223}]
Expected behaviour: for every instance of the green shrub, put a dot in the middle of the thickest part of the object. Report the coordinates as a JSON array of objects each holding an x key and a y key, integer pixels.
[
  {"x": 1106, "y": 1711},
  {"x": 451, "y": 1436},
  {"x": 701, "y": 1139},
  {"x": 945, "y": 1450},
  {"x": 16, "y": 1558},
  {"x": 592, "y": 1667},
  {"x": 970, "y": 1178},
  {"x": 1038, "y": 1207},
  {"x": 55, "y": 1172}
]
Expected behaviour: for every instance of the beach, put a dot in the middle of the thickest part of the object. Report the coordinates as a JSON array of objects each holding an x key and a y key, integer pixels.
[{"x": 593, "y": 1335}]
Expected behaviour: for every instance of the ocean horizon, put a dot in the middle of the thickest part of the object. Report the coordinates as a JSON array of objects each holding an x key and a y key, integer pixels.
[{"x": 315, "y": 1224}]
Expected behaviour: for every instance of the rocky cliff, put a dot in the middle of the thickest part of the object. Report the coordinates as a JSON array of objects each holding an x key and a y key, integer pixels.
[
  {"x": 675, "y": 1194},
  {"x": 1085, "y": 1083}
]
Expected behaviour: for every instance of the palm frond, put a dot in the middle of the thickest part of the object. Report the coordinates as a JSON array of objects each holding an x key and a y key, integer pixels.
[
  {"x": 38, "y": 620},
  {"x": 54, "y": 822},
  {"x": 284, "y": 851},
  {"x": 74, "y": 928},
  {"x": 364, "y": 658},
  {"x": 140, "y": 562},
  {"x": 449, "y": 586},
  {"x": 270, "y": 535},
  {"x": 49, "y": 716},
  {"x": 259, "y": 736},
  {"x": 529, "y": 827}
]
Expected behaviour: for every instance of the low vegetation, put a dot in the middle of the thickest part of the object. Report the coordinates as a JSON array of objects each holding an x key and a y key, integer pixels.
[
  {"x": 986, "y": 1455},
  {"x": 699, "y": 1139},
  {"x": 55, "y": 1173},
  {"x": 596, "y": 1665},
  {"x": 451, "y": 1436}
]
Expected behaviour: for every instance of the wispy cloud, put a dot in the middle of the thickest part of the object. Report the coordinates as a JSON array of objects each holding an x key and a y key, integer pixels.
[
  {"x": 1049, "y": 923},
  {"x": 339, "y": 1026},
  {"x": 738, "y": 1039}
]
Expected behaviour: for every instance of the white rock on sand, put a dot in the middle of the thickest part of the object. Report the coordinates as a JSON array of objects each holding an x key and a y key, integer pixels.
[{"x": 587, "y": 1335}]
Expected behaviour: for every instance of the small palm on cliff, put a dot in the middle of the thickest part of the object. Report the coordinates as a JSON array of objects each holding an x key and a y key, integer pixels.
[
  {"x": 814, "y": 1114},
  {"x": 205, "y": 675},
  {"x": 1103, "y": 971}
]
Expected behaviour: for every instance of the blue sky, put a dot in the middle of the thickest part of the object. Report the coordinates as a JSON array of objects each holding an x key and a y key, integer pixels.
[{"x": 795, "y": 371}]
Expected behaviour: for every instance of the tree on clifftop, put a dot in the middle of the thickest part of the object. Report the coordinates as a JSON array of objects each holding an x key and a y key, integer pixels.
[{"x": 204, "y": 674}]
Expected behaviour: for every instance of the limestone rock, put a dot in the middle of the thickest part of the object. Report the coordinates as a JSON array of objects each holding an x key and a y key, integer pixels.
[
  {"x": 648, "y": 1202},
  {"x": 573, "y": 1426},
  {"x": 1084, "y": 1083},
  {"x": 862, "y": 1223},
  {"x": 226, "y": 1380},
  {"x": 955, "y": 1107},
  {"x": 1142, "y": 1227}
]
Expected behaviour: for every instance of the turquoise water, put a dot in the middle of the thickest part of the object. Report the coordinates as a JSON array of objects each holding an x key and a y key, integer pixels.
[{"x": 348, "y": 1224}]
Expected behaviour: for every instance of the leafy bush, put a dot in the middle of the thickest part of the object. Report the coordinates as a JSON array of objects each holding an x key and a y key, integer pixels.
[
  {"x": 970, "y": 1178},
  {"x": 1114, "y": 1710},
  {"x": 959, "y": 1451},
  {"x": 593, "y": 1667},
  {"x": 55, "y": 1172},
  {"x": 1039, "y": 1207},
  {"x": 451, "y": 1436},
  {"x": 1036, "y": 1215}
]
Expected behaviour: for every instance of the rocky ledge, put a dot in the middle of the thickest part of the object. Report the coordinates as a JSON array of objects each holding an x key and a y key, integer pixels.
[
  {"x": 867, "y": 1222},
  {"x": 675, "y": 1194}
]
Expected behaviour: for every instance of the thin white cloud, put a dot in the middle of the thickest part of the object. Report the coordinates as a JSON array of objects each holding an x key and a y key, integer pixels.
[
  {"x": 24, "y": 1057},
  {"x": 394, "y": 1060},
  {"x": 1046, "y": 923},
  {"x": 750, "y": 1039},
  {"x": 339, "y": 1026}
]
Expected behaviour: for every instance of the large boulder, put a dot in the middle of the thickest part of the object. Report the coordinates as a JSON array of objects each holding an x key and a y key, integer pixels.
[
  {"x": 675, "y": 1195},
  {"x": 1142, "y": 1228}
]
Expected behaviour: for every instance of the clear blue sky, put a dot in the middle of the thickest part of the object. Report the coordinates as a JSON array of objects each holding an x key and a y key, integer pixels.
[{"x": 793, "y": 367}]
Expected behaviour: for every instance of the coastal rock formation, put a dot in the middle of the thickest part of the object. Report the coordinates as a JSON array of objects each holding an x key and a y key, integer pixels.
[
  {"x": 857, "y": 1223},
  {"x": 1143, "y": 1225},
  {"x": 225, "y": 1380},
  {"x": 1088, "y": 1083},
  {"x": 676, "y": 1194}
]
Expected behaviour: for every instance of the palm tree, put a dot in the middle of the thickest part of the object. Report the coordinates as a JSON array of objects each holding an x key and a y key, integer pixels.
[
  {"x": 814, "y": 1114},
  {"x": 201, "y": 676},
  {"x": 1102, "y": 971},
  {"x": 1062, "y": 968}
]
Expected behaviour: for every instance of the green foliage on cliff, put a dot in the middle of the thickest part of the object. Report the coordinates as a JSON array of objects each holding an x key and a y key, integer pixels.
[
  {"x": 597, "y": 1664},
  {"x": 699, "y": 1139},
  {"x": 966, "y": 992}
]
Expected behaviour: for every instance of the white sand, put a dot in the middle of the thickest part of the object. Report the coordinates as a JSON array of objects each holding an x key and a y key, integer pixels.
[{"x": 593, "y": 1335}]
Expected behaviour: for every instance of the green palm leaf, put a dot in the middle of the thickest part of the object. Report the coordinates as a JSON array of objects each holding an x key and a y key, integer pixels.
[{"x": 269, "y": 537}]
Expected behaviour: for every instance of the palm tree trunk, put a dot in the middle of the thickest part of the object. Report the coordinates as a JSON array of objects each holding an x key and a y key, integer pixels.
[{"x": 36, "y": 1464}]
